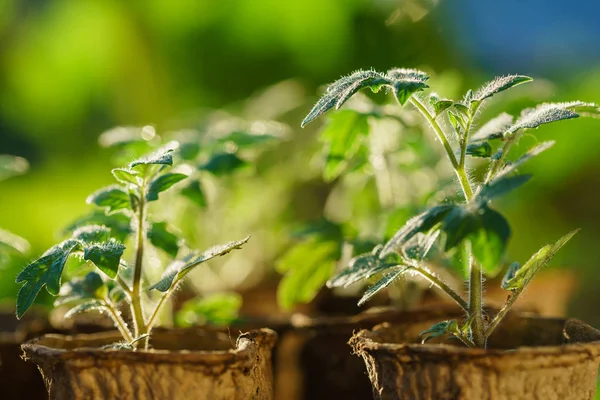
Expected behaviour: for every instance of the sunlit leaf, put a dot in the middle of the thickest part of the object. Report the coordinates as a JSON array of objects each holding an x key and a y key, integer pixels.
[
  {"x": 419, "y": 246},
  {"x": 515, "y": 280},
  {"x": 490, "y": 240},
  {"x": 179, "y": 268},
  {"x": 494, "y": 128},
  {"x": 119, "y": 224},
  {"x": 499, "y": 84},
  {"x": 382, "y": 284},
  {"x": 406, "y": 82},
  {"x": 481, "y": 149},
  {"x": 362, "y": 267},
  {"x": 163, "y": 239},
  {"x": 542, "y": 114},
  {"x": 421, "y": 223},
  {"x": 342, "y": 139},
  {"x": 92, "y": 233},
  {"x": 89, "y": 287},
  {"x": 160, "y": 157},
  {"x": 106, "y": 256},
  {"x": 162, "y": 183},
  {"x": 93, "y": 305},
  {"x": 125, "y": 176},
  {"x": 439, "y": 105},
  {"x": 113, "y": 198}
]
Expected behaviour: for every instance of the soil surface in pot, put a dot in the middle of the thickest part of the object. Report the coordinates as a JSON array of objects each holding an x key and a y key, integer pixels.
[
  {"x": 528, "y": 357},
  {"x": 183, "y": 363}
]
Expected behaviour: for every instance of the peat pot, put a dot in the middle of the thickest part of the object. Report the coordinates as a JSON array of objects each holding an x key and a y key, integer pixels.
[
  {"x": 313, "y": 360},
  {"x": 528, "y": 357},
  {"x": 183, "y": 364}
]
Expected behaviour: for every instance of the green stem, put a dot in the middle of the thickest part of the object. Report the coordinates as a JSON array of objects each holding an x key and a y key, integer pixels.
[
  {"x": 136, "y": 298},
  {"x": 435, "y": 280},
  {"x": 496, "y": 164},
  {"x": 157, "y": 309},
  {"x": 476, "y": 303},
  {"x": 502, "y": 313},
  {"x": 123, "y": 285},
  {"x": 465, "y": 340},
  {"x": 119, "y": 322}
]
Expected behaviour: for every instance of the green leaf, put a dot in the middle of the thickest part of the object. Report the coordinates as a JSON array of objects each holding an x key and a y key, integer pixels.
[
  {"x": 195, "y": 193},
  {"x": 456, "y": 121},
  {"x": 439, "y": 105},
  {"x": 12, "y": 166},
  {"x": 583, "y": 109},
  {"x": 126, "y": 176},
  {"x": 160, "y": 157},
  {"x": 89, "y": 287},
  {"x": 494, "y": 128},
  {"x": 119, "y": 224},
  {"x": 459, "y": 224},
  {"x": 306, "y": 268},
  {"x": 162, "y": 183},
  {"x": 223, "y": 164},
  {"x": 362, "y": 267},
  {"x": 93, "y": 305},
  {"x": 542, "y": 114},
  {"x": 419, "y": 246},
  {"x": 382, "y": 284},
  {"x": 10, "y": 242},
  {"x": 517, "y": 280},
  {"x": 499, "y": 84},
  {"x": 46, "y": 270},
  {"x": 510, "y": 274},
  {"x": 113, "y": 198},
  {"x": 92, "y": 233},
  {"x": 188, "y": 151},
  {"x": 421, "y": 223},
  {"x": 163, "y": 239},
  {"x": 512, "y": 167},
  {"x": 106, "y": 256},
  {"x": 439, "y": 329},
  {"x": 179, "y": 268},
  {"x": 490, "y": 240},
  {"x": 342, "y": 138},
  {"x": 218, "y": 309},
  {"x": 463, "y": 112},
  {"x": 406, "y": 82},
  {"x": 482, "y": 149},
  {"x": 341, "y": 90},
  {"x": 499, "y": 187}
]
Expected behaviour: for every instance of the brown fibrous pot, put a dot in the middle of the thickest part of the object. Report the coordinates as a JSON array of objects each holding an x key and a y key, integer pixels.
[
  {"x": 528, "y": 357},
  {"x": 183, "y": 364}
]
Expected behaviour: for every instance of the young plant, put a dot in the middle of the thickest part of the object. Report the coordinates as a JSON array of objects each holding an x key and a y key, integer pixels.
[
  {"x": 471, "y": 227},
  {"x": 112, "y": 280}
]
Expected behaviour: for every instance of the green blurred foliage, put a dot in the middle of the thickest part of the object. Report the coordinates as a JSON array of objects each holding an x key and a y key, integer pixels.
[{"x": 71, "y": 70}]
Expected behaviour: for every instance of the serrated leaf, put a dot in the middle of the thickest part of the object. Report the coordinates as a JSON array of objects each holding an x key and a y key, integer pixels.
[
  {"x": 306, "y": 267},
  {"x": 342, "y": 89},
  {"x": 406, "y": 82},
  {"x": 525, "y": 273},
  {"x": 439, "y": 105},
  {"x": 119, "y": 224},
  {"x": 512, "y": 167},
  {"x": 362, "y": 267},
  {"x": 499, "y": 84},
  {"x": 439, "y": 329},
  {"x": 12, "y": 166},
  {"x": 499, "y": 187},
  {"x": 93, "y": 305},
  {"x": 89, "y": 287},
  {"x": 223, "y": 164},
  {"x": 47, "y": 271},
  {"x": 195, "y": 193},
  {"x": 342, "y": 139},
  {"x": 489, "y": 242},
  {"x": 494, "y": 128},
  {"x": 179, "y": 268},
  {"x": 106, "y": 256},
  {"x": 421, "y": 223},
  {"x": 583, "y": 109},
  {"x": 419, "y": 246},
  {"x": 542, "y": 114},
  {"x": 382, "y": 284},
  {"x": 113, "y": 198},
  {"x": 10, "y": 242},
  {"x": 92, "y": 233},
  {"x": 481, "y": 149},
  {"x": 162, "y": 183},
  {"x": 163, "y": 239},
  {"x": 218, "y": 309},
  {"x": 160, "y": 157},
  {"x": 125, "y": 176}
]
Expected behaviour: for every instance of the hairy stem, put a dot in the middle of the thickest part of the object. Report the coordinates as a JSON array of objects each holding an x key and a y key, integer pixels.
[
  {"x": 476, "y": 303},
  {"x": 496, "y": 164},
  {"x": 123, "y": 285},
  {"x": 436, "y": 281},
  {"x": 468, "y": 342},
  {"x": 136, "y": 298},
  {"x": 158, "y": 307},
  {"x": 119, "y": 322},
  {"x": 502, "y": 313}
]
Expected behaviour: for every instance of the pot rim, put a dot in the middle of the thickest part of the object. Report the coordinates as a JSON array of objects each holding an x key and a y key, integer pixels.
[
  {"x": 247, "y": 345},
  {"x": 367, "y": 341}
]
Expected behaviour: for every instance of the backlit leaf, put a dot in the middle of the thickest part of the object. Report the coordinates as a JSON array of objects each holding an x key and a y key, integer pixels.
[
  {"x": 494, "y": 128},
  {"x": 106, "y": 256},
  {"x": 162, "y": 183},
  {"x": 92, "y": 233},
  {"x": 362, "y": 267},
  {"x": 382, "y": 284},
  {"x": 439, "y": 329},
  {"x": 481, "y": 149},
  {"x": 542, "y": 114},
  {"x": 490, "y": 240},
  {"x": 160, "y": 157},
  {"x": 499, "y": 84},
  {"x": 89, "y": 287},
  {"x": 93, "y": 305},
  {"x": 125, "y": 176},
  {"x": 113, "y": 198}
]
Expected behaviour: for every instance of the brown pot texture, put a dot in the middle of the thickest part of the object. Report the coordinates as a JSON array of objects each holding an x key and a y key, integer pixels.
[
  {"x": 314, "y": 362},
  {"x": 184, "y": 364},
  {"x": 528, "y": 357}
]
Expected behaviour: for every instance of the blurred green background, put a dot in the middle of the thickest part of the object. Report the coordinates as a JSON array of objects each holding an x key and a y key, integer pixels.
[{"x": 71, "y": 70}]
